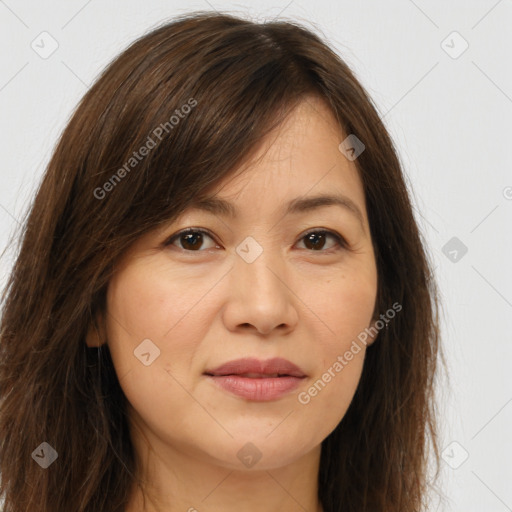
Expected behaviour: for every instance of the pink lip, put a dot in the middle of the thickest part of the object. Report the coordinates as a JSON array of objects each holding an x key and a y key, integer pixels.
[{"x": 267, "y": 380}]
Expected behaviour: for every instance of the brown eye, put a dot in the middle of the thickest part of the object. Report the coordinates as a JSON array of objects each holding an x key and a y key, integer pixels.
[
  {"x": 316, "y": 240},
  {"x": 190, "y": 239}
]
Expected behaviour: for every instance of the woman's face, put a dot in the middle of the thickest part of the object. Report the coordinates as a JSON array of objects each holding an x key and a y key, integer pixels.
[{"x": 256, "y": 286}]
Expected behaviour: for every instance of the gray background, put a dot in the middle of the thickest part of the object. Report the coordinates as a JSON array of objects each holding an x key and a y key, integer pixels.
[{"x": 449, "y": 112}]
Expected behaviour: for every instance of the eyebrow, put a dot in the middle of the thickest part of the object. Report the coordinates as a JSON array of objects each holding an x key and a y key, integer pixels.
[{"x": 221, "y": 207}]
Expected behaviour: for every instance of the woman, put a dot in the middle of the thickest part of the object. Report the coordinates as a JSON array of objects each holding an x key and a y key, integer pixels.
[{"x": 222, "y": 299}]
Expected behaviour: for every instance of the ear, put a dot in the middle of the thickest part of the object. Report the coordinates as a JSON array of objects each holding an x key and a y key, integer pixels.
[{"x": 96, "y": 335}]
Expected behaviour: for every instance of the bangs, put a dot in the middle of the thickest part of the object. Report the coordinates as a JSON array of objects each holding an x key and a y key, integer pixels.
[{"x": 169, "y": 132}]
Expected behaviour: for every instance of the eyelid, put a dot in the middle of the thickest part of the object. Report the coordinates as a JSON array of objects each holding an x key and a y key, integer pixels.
[
  {"x": 340, "y": 240},
  {"x": 170, "y": 240}
]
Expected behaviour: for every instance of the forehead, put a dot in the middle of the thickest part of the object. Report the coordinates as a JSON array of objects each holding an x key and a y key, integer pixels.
[{"x": 298, "y": 166}]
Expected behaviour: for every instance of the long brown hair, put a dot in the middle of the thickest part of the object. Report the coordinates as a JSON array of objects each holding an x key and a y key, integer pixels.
[{"x": 227, "y": 82}]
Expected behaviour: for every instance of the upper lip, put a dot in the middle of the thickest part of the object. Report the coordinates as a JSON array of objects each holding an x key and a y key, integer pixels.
[{"x": 276, "y": 366}]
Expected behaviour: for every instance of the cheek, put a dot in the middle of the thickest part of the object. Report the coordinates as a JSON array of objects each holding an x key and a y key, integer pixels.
[
  {"x": 175, "y": 318},
  {"x": 326, "y": 399},
  {"x": 150, "y": 302},
  {"x": 344, "y": 301},
  {"x": 144, "y": 307}
]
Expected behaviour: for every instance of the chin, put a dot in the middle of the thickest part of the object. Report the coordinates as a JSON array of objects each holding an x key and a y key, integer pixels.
[{"x": 250, "y": 451}]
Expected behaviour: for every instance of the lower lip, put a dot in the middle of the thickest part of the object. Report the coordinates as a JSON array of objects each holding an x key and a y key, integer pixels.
[{"x": 258, "y": 389}]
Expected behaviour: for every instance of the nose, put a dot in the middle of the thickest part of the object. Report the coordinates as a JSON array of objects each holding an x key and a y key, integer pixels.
[{"x": 260, "y": 296}]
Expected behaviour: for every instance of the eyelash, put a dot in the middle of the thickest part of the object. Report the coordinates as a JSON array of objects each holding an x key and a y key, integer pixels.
[{"x": 340, "y": 241}]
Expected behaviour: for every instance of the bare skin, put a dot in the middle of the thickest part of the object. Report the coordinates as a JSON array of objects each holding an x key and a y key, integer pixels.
[{"x": 305, "y": 301}]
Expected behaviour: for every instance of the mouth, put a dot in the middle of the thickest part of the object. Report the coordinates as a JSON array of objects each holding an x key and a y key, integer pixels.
[
  {"x": 255, "y": 375},
  {"x": 257, "y": 380},
  {"x": 258, "y": 369}
]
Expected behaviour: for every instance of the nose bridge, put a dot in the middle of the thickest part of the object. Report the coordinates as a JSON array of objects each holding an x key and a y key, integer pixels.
[
  {"x": 259, "y": 295},
  {"x": 258, "y": 265}
]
